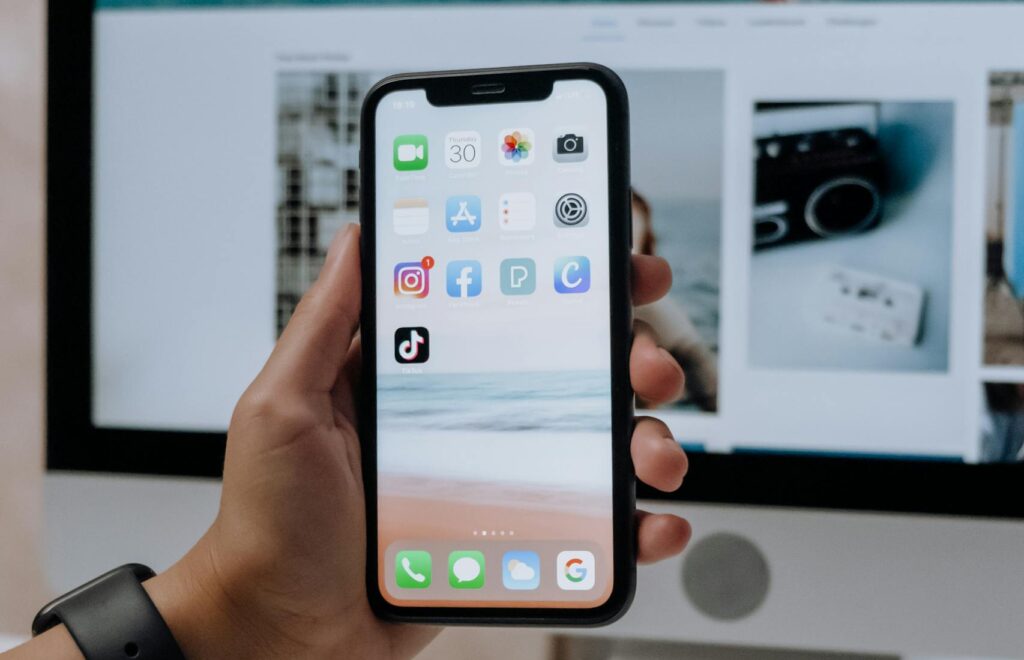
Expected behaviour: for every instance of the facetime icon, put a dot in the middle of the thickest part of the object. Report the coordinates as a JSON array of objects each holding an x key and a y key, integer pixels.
[{"x": 411, "y": 217}]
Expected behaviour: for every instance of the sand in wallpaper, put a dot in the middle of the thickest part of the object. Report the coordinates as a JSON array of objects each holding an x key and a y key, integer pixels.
[{"x": 528, "y": 452}]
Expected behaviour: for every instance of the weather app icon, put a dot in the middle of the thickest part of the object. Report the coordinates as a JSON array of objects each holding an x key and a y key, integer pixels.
[{"x": 520, "y": 569}]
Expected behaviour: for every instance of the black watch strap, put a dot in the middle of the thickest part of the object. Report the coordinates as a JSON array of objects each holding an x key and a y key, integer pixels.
[{"x": 113, "y": 618}]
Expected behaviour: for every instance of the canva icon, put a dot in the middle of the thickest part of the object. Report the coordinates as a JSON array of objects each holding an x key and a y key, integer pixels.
[{"x": 572, "y": 275}]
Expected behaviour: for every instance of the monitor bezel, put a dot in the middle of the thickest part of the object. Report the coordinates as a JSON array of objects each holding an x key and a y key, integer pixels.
[{"x": 74, "y": 443}]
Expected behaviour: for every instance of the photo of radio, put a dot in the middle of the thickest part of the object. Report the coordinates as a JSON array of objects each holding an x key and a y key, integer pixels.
[{"x": 816, "y": 185}]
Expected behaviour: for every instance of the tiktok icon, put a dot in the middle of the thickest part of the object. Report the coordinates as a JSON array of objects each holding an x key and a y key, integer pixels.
[{"x": 412, "y": 345}]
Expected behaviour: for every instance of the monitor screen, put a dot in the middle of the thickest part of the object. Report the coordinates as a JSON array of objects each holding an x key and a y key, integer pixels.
[{"x": 839, "y": 189}]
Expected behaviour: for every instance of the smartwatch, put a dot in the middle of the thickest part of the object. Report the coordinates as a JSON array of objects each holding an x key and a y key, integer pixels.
[{"x": 112, "y": 618}]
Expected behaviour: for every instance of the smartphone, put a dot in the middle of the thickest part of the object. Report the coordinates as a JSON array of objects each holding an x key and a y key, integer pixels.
[{"x": 496, "y": 325}]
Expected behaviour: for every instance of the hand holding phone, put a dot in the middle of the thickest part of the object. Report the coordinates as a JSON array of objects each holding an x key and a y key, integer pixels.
[{"x": 496, "y": 330}]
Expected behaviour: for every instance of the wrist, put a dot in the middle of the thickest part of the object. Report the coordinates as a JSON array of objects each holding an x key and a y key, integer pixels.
[
  {"x": 217, "y": 612},
  {"x": 192, "y": 600}
]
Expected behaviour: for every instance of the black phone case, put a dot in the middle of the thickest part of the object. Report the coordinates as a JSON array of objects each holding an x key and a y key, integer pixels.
[{"x": 478, "y": 86}]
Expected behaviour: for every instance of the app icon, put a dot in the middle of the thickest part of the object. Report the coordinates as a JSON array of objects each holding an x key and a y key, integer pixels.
[
  {"x": 412, "y": 278},
  {"x": 410, "y": 153},
  {"x": 411, "y": 217},
  {"x": 464, "y": 279},
  {"x": 462, "y": 149},
  {"x": 520, "y": 569},
  {"x": 570, "y": 148},
  {"x": 412, "y": 569},
  {"x": 518, "y": 277},
  {"x": 571, "y": 211},
  {"x": 575, "y": 570},
  {"x": 517, "y": 211},
  {"x": 572, "y": 275},
  {"x": 462, "y": 213},
  {"x": 466, "y": 569},
  {"x": 516, "y": 146},
  {"x": 412, "y": 345}
]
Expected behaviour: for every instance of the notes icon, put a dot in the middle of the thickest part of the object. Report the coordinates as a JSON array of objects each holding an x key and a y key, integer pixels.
[{"x": 411, "y": 217}]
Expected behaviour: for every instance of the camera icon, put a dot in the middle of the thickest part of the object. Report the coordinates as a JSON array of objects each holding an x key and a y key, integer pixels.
[{"x": 570, "y": 148}]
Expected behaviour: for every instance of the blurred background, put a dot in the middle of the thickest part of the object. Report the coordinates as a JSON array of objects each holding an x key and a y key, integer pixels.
[{"x": 836, "y": 187}]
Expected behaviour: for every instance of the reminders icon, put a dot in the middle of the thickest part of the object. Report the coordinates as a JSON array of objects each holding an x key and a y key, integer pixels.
[
  {"x": 411, "y": 217},
  {"x": 517, "y": 211}
]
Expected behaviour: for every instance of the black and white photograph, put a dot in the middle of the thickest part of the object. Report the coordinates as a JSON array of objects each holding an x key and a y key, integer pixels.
[
  {"x": 851, "y": 236},
  {"x": 318, "y": 173}
]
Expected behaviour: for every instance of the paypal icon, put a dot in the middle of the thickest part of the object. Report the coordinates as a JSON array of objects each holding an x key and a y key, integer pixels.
[
  {"x": 464, "y": 279},
  {"x": 572, "y": 275}
]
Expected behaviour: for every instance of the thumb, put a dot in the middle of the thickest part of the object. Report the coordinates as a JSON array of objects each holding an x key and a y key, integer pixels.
[{"x": 312, "y": 348}]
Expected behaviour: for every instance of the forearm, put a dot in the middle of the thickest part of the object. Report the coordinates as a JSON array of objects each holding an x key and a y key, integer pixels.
[
  {"x": 200, "y": 624},
  {"x": 54, "y": 644}
]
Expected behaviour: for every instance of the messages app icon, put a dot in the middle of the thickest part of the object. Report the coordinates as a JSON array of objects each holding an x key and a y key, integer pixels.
[
  {"x": 518, "y": 277},
  {"x": 520, "y": 569},
  {"x": 466, "y": 569}
]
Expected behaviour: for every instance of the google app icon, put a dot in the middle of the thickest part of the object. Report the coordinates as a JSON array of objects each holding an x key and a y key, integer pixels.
[{"x": 575, "y": 570}]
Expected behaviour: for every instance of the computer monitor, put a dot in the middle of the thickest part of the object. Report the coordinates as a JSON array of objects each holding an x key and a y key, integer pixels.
[{"x": 835, "y": 187}]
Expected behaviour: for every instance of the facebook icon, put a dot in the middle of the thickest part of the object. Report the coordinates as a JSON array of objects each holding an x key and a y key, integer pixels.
[{"x": 464, "y": 279}]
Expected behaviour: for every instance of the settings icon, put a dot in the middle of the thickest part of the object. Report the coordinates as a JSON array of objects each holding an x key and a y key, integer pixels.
[{"x": 571, "y": 211}]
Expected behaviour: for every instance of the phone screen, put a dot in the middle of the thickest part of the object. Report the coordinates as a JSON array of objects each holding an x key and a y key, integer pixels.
[{"x": 494, "y": 392}]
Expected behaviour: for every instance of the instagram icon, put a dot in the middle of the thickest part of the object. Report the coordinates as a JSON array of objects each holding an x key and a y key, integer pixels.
[{"x": 412, "y": 278}]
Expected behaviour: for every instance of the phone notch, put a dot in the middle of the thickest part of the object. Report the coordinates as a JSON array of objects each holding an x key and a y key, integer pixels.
[{"x": 487, "y": 89}]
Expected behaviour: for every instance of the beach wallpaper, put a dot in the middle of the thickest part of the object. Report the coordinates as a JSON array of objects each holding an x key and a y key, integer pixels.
[{"x": 443, "y": 437}]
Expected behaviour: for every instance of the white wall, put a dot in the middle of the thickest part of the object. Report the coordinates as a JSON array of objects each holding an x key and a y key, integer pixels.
[{"x": 21, "y": 293}]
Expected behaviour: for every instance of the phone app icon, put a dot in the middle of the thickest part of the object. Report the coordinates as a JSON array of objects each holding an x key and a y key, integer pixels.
[
  {"x": 571, "y": 211},
  {"x": 570, "y": 148},
  {"x": 466, "y": 569},
  {"x": 412, "y": 278},
  {"x": 462, "y": 150},
  {"x": 515, "y": 146},
  {"x": 412, "y": 345},
  {"x": 518, "y": 277},
  {"x": 462, "y": 213},
  {"x": 464, "y": 279},
  {"x": 410, "y": 153},
  {"x": 412, "y": 569},
  {"x": 572, "y": 275},
  {"x": 517, "y": 211},
  {"x": 411, "y": 217},
  {"x": 520, "y": 569},
  {"x": 575, "y": 570}
]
